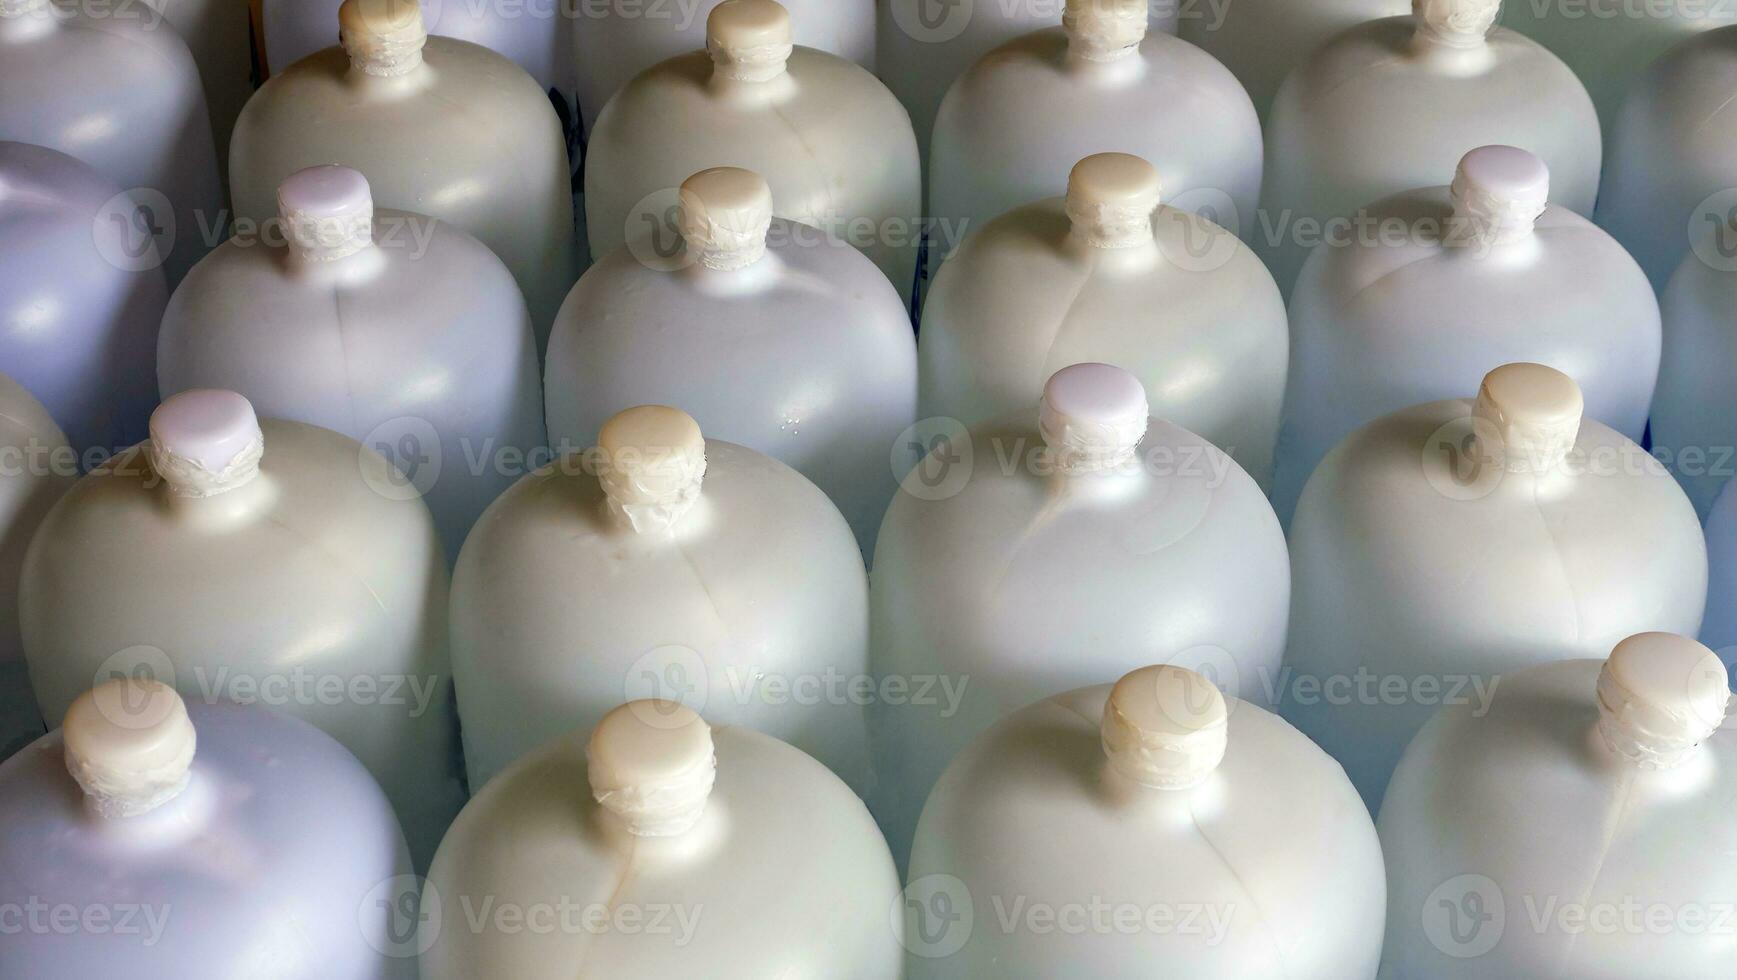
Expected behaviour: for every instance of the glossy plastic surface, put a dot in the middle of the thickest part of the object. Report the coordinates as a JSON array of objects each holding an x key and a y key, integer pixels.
[{"x": 36, "y": 467}]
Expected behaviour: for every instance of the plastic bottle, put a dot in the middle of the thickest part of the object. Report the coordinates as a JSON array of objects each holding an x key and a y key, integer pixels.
[
  {"x": 1692, "y": 427},
  {"x": 36, "y": 467},
  {"x": 219, "y": 33},
  {"x": 1719, "y": 626}
]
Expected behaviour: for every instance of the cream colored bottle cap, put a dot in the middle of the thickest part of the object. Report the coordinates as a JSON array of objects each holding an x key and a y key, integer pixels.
[
  {"x": 1456, "y": 23},
  {"x": 1533, "y": 413},
  {"x": 1499, "y": 192},
  {"x": 653, "y": 765},
  {"x": 327, "y": 212},
  {"x": 130, "y": 745},
  {"x": 382, "y": 37},
  {"x": 1659, "y": 697},
  {"x": 749, "y": 40},
  {"x": 1165, "y": 727},
  {"x": 652, "y": 464},
  {"x": 1093, "y": 417},
  {"x": 725, "y": 215},
  {"x": 205, "y": 442},
  {"x": 1104, "y": 30},
  {"x": 1111, "y": 197}
]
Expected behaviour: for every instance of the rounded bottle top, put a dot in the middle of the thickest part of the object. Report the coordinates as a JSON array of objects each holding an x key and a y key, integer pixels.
[
  {"x": 1093, "y": 417},
  {"x": 749, "y": 40},
  {"x": 130, "y": 745},
  {"x": 652, "y": 763},
  {"x": 1104, "y": 30},
  {"x": 1660, "y": 696},
  {"x": 382, "y": 37},
  {"x": 652, "y": 464},
  {"x": 205, "y": 442},
  {"x": 726, "y": 213},
  {"x": 1530, "y": 413},
  {"x": 327, "y": 212},
  {"x": 1500, "y": 191},
  {"x": 1165, "y": 727},
  {"x": 1111, "y": 197},
  {"x": 1456, "y": 23}
]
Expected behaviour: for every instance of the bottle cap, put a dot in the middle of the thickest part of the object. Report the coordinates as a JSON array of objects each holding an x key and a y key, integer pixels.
[
  {"x": 327, "y": 212},
  {"x": 1659, "y": 697},
  {"x": 1104, "y": 30},
  {"x": 749, "y": 40},
  {"x": 1111, "y": 197},
  {"x": 382, "y": 37},
  {"x": 1165, "y": 727},
  {"x": 1093, "y": 417},
  {"x": 653, "y": 765},
  {"x": 1499, "y": 191},
  {"x": 129, "y": 744},
  {"x": 205, "y": 442},
  {"x": 653, "y": 462},
  {"x": 725, "y": 215},
  {"x": 1456, "y": 23},
  {"x": 1532, "y": 413}
]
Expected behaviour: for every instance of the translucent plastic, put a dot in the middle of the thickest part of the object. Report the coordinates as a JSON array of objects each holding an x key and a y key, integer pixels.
[
  {"x": 1694, "y": 418},
  {"x": 36, "y": 467},
  {"x": 78, "y": 317},
  {"x": 122, "y": 94},
  {"x": 265, "y": 865}
]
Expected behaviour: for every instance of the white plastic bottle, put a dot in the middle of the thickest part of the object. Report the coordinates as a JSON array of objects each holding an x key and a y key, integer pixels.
[
  {"x": 123, "y": 95},
  {"x": 1581, "y": 827},
  {"x": 219, "y": 33},
  {"x": 1151, "y": 829},
  {"x": 1672, "y": 176},
  {"x": 1110, "y": 274},
  {"x": 663, "y": 847},
  {"x": 1017, "y": 121},
  {"x": 396, "y": 329},
  {"x": 81, "y": 298},
  {"x": 1719, "y": 626},
  {"x": 154, "y": 838},
  {"x": 1693, "y": 426},
  {"x": 771, "y": 336},
  {"x": 1448, "y": 282},
  {"x": 1053, "y": 548},
  {"x": 439, "y": 126},
  {"x": 261, "y": 562},
  {"x": 1448, "y": 543},
  {"x": 660, "y": 564},
  {"x": 1393, "y": 104},
  {"x": 834, "y": 144},
  {"x": 36, "y": 467}
]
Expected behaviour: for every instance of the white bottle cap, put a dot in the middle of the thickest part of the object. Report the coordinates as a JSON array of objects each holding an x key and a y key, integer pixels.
[
  {"x": 653, "y": 765},
  {"x": 1111, "y": 197},
  {"x": 653, "y": 461},
  {"x": 1165, "y": 727},
  {"x": 1499, "y": 192},
  {"x": 205, "y": 442},
  {"x": 1455, "y": 23},
  {"x": 382, "y": 37},
  {"x": 129, "y": 744},
  {"x": 1531, "y": 412},
  {"x": 725, "y": 215},
  {"x": 1093, "y": 417},
  {"x": 327, "y": 212},
  {"x": 1659, "y": 697},
  {"x": 749, "y": 40},
  {"x": 1104, "y": 30}
]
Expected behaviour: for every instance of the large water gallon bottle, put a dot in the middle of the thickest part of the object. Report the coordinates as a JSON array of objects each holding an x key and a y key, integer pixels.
[
  {"x": 771, "y": 336},
  {"x": 396, "y": 329},
  {"x": 1448, "y": 543},
  {"x": 1719, "y": 627},
  {"x": 1151, "y": 829},
  {"x": 1451, "y": 281},
  {"x": 1017, "y": 121},
  {"x": 263, "y": 562},
  {"x": 81, "y": 297},
  {"x": 219, "y": 33},
  {"x": 834, "y": 144},
  {"x": 159, "y": 839},
  {"x": 1580, "y": 827},
  {"x": 1393, "y": 104},
  {"x": 663, "y": 847},
  {"x": 123, "y": 95},
  {"x": 1055, "y": 548},
  {"x": 1672, "y": 176},
  {"x": 1694, "y": 418},
  {"x": 36, "y": 467},
  {"x": 661, "y": 564},
  {"x": 923, "y": 45},
  {"x": 427, "y": 120},
  {"x": 1260, "y": 41},
  {"x": 1110, "y": 274},
  {"x": 616, "y": 41}
]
